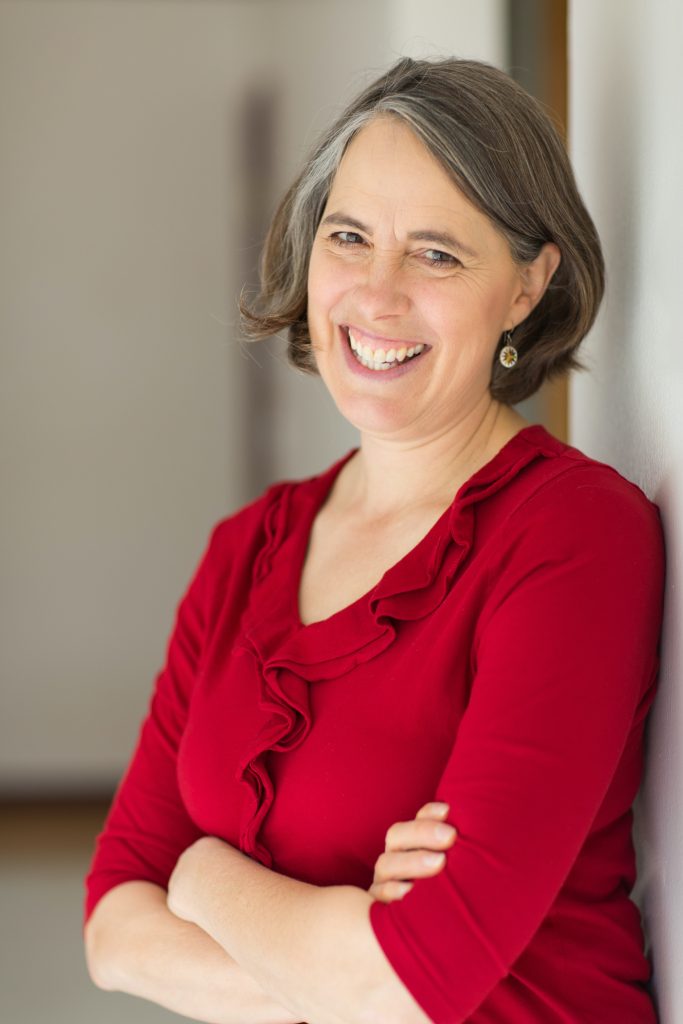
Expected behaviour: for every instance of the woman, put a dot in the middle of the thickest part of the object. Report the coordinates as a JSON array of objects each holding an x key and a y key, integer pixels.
[{"x": 456, "y": 624}]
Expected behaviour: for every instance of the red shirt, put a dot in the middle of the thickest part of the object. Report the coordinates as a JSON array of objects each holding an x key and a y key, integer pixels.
[{"x": 505, "y": 665}]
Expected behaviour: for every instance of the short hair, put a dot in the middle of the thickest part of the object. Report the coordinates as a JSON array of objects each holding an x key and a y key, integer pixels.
[{"x": 502, "y": 150}]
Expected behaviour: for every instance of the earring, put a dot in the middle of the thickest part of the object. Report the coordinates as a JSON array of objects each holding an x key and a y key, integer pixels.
[{"x": 508, "y": 355}]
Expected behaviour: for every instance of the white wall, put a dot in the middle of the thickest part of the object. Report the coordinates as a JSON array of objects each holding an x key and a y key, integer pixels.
[
  {"x": 431, "y": 28},
  {"x": 627, "y": 146},
  {"x": 124, "y": 424}
]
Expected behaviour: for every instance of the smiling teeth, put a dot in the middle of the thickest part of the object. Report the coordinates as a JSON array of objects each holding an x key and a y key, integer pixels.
[{"x": 379, "y": 358}]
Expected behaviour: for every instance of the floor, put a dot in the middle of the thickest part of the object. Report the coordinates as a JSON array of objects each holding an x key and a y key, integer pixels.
[{"x": 44, "y": 854}]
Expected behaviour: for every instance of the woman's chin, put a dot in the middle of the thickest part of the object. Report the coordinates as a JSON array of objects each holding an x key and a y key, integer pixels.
[
  {"x": 371, "y": 406},
  {"x": 381, "y": 417}
]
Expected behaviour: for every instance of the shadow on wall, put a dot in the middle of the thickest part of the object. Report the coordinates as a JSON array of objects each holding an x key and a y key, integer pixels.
[{"x": 626, "y": 85}]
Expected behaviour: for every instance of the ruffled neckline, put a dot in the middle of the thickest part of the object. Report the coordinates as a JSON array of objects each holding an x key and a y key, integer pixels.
[
  {"x": 291, "y": 655},
  {"x": 417, "y": 567}
]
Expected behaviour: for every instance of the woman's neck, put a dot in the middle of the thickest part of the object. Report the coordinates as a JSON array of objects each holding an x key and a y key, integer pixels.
[{"x": 388, "y": 477}]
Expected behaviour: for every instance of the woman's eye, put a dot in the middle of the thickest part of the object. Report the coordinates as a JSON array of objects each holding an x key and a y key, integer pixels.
[
  {"x": 438, "y": 258},
  {"x": 346, "y": 238}
]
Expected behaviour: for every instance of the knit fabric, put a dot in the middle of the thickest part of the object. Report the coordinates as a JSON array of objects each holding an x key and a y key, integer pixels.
[{"x": 505, "y": 665}]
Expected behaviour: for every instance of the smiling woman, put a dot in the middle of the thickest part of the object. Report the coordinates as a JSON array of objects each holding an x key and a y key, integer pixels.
[
  {"x": 431, "y": 317},
  {"x": 497, "y": 146},
  {"x": 388, "y": 768}
]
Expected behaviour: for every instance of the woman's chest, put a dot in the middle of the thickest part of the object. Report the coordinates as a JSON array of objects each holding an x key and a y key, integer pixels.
[
  {"x": 320, "y": 791},
  {"x": 345, "y": 560}
]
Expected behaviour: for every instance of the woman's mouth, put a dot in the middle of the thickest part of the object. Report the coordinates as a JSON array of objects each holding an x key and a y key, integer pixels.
[{"x": 378, "y": 356}]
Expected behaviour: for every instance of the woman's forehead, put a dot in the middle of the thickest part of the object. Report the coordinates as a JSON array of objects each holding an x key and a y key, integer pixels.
[
  {"x": 387, "y": 156},
  {"x": 387, "y": 175}
]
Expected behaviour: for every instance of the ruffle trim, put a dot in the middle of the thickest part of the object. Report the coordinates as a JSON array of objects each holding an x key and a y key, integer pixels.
[{"x": 289, "y": 657}]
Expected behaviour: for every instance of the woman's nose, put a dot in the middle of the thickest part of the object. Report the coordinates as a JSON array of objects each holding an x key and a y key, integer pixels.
[{"x": 382, "y": 289}]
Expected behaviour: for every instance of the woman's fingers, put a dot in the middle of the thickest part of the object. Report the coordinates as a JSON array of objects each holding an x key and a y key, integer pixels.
[
  {"x": 433, "y": 810},
  {"x": 422, "y": 833},
  {"x": 413, "y": 849},
  {"x": 387, "y": 892},
  {"x": 404, "y": 866}
]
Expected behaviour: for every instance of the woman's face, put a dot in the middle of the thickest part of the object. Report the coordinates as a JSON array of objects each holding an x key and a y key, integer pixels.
[{"x": 402, "y": 262}]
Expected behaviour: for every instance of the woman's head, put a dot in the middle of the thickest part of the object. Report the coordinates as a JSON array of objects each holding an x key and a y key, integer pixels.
[{"x": 502, "y": 152}]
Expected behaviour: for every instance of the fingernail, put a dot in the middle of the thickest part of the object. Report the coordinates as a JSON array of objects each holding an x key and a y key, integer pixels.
[
  {"x": 433, "y": 860},
  {"x": 444, "y": 832},
  {"x": 439, "y": 808},
  {"x": 404, "y": 887}
]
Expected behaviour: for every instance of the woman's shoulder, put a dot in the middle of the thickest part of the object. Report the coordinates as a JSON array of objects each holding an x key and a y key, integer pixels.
[
  {"x": 265, "y": 514},
  {"x": 577, "y": 523},
  {"x": 564, "y": 507},
  {"x": 545, "y": 503},
  {"x": 567, "y": 480}
]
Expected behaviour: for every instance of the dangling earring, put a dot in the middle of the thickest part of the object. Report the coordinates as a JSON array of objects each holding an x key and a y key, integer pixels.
[{"x": 508, "y": 355}]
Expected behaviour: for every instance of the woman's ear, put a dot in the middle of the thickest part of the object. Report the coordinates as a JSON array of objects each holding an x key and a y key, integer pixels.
[{"x": 534, "y": 278}]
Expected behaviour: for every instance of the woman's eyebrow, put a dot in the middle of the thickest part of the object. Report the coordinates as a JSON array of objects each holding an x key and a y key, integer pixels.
[
  {"x": 436, "y": 237},
  {"x": 343, "y": 218},
  {"x": 442, "y": 238}
]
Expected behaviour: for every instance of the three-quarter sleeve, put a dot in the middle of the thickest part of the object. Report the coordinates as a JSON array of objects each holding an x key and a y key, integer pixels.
[
  {"x": 564, "y": 666},
  {"x": 148, "y": 827}
]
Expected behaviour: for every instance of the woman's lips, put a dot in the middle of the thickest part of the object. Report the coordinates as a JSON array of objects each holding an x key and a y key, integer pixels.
[
  {"x": 377, "y": 341},
  {"x": 389, "y": 368}
]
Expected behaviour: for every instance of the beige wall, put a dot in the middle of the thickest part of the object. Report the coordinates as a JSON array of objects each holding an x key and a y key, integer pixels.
[
  {"x": 120, "y": 388},
  {"x": 127, "y": 417},
  {"x": 625, "y": 114}
]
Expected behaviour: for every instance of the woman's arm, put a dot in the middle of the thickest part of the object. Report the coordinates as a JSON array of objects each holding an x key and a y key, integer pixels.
[
  {"x": 134, "y": 944},
  {"x": 565, "y": 656},
  {"x": 408, "y": 844},
  {"x": 282, "y": 931}
]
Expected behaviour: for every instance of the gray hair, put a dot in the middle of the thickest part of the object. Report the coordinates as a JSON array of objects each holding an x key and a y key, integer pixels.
[{"x": 501, "y": 149}]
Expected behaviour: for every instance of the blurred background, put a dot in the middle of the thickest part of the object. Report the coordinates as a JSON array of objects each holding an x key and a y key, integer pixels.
[{"x": 144, "y": 145}]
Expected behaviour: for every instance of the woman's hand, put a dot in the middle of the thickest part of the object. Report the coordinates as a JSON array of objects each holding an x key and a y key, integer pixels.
[{"x": 413, "y": 849}]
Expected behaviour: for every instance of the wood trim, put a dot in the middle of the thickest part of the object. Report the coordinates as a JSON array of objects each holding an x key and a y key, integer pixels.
[{"x": 538, "y": 61}]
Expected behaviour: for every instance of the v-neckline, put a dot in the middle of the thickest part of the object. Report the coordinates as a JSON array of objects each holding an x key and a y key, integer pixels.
[{"x": 316, "y": 498}]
